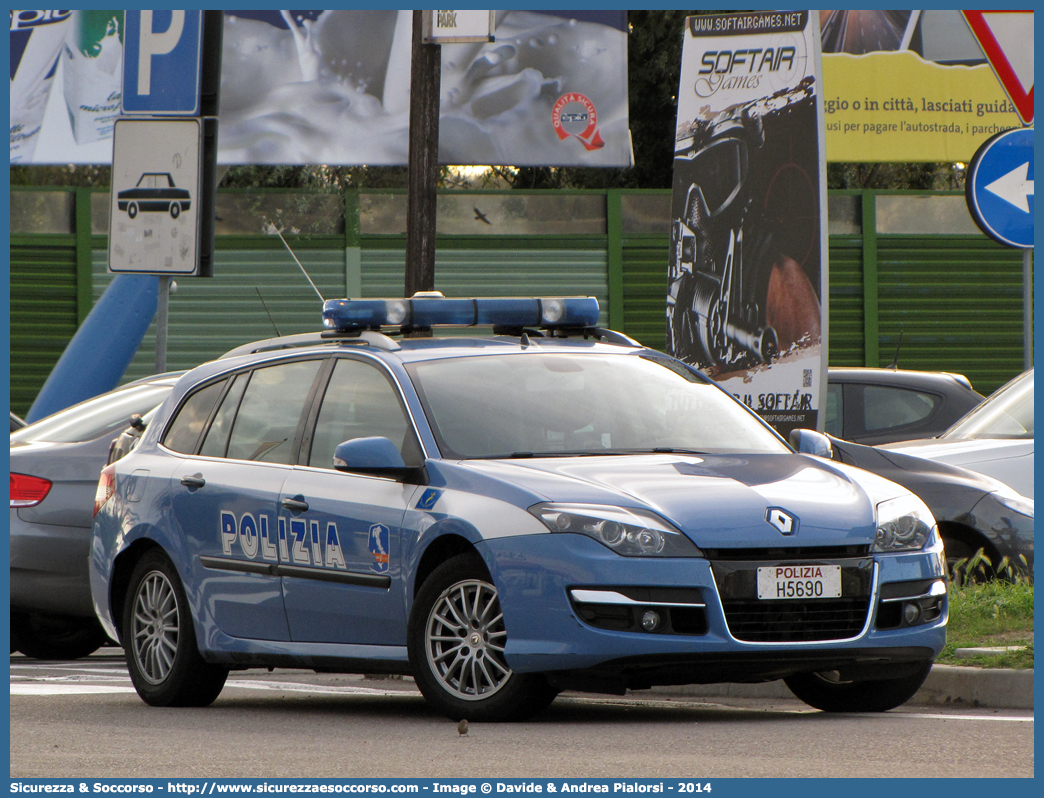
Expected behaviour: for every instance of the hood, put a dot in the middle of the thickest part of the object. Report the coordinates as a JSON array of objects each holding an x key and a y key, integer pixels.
[
  {"x": 1009, "y": 460},
  {"x": 719, "y": 501},
  {"x": 963, "y": 453}
]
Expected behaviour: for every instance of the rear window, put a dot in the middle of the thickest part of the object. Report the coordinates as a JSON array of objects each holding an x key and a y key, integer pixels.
[
  {"x": 1008, "y": 413},
  {"x": 885, "y": 407},
  {"x": 102, "y": 415}
]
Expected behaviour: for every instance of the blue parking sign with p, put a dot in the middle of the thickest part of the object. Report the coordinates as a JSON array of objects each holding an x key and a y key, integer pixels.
[{"x": 161, "y": 62}]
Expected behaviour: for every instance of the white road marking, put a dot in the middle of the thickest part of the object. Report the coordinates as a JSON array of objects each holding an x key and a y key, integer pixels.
[
  {"x": 930, "y": 716},
  {"x": 296, "y": 687},
  {"x": 72, "y": 668},
  {"x": 52, "y": 688}
]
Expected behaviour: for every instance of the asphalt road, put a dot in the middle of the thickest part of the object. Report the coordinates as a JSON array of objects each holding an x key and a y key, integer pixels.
[{"x": 83, "y": 719}]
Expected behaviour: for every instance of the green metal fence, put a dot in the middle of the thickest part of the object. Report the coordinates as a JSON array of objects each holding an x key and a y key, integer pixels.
[{"x": 906, "y": 262}]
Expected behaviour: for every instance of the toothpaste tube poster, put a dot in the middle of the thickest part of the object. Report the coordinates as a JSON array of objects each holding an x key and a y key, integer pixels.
[
  {"x": 747, "y": 293},
  {"x": 333, "y": 87}
]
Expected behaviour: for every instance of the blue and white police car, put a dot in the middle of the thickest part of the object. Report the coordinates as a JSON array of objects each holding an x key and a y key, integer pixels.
[{"x": 547, "y": 507}]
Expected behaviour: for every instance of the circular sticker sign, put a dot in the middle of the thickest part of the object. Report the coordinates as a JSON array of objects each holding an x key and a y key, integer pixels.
[{"x": 576, "y": 116}]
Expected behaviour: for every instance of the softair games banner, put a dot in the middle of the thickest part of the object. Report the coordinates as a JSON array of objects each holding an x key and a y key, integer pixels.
[{"x": 747, "y": 281}]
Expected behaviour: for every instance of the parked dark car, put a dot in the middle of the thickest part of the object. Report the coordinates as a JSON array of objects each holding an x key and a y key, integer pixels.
[
  {"x": 55, "y": 464},
  {"x": 995, "y": 439},
  {"x": 973, "y": 511},
  {"x": 155, "y": 191},
  {"x": 874, "y": 406}
]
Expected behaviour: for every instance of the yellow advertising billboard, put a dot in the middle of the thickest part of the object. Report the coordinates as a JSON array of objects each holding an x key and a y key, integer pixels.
[{"x": 907, "y": 86}]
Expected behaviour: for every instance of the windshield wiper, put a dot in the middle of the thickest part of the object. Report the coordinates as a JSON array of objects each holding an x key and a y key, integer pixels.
[
  {"x": 591, "y": 453},
  {"x": 672, "y": 450}
]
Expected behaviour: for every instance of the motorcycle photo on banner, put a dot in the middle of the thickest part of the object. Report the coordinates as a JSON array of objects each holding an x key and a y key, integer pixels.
[{"x": 746, "y": 299}]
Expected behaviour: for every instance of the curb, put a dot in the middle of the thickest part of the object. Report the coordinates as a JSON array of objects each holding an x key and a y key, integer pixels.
[
  {"x": 953, "y": 685},
  {"x": 946, "y": 685}
]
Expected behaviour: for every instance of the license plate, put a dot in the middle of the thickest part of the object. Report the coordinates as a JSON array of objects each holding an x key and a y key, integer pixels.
[{"x": 799, "y": 582}]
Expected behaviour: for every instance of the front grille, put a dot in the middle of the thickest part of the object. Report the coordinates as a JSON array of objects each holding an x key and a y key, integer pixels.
[
  {"x": 755, "y": 620},
  {"x": 758, "y": 621},
  {"x": 790, "y": 553}
]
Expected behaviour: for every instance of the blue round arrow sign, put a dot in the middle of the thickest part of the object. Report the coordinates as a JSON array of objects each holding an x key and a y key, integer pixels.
[{"x": 1000, "y": 188}]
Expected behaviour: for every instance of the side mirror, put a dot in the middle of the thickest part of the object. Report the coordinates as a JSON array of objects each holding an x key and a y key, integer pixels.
[
  {"x": 808, "y": 441},
  {"x": 377, "y": 456}
]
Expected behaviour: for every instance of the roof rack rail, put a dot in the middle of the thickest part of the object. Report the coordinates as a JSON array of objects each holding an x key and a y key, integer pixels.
[
  {"x": 599, "y": 333},
  {"x": 613, "y": 337},
  {"x": 377, "y": 340}
]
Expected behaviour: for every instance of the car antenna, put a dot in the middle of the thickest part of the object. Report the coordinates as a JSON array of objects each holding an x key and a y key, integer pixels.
[
  {"x": 271, "y": 228},
  {"x": 895, "y": 360},
  {"x": 278, "y": 334}
]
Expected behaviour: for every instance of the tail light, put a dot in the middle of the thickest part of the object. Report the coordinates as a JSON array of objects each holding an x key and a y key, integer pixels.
[
  {"x": 27, "y": 491},
  {"x": 106, "y": 487}
]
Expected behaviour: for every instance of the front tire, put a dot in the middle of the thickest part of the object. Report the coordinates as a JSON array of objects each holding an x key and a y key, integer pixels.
[
  {"x": 132, "y": 210},
  {"x": 826, "y": 692},
  {"x": 160, "y": 640},
  {"x": 175, "y": 210},
  {"x": 456, "y": 643},
  {"x": 963, "y": 567}
]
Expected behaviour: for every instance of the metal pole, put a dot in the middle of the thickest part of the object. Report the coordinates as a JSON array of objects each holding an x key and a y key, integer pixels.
[
  {"x": 162, "y": 302},
  {"x": 1027, "y": 308},
  {"x": 425, "y": 81}
]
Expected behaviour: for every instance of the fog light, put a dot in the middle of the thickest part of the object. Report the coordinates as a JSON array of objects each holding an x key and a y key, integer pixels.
[
  {"x": 911, "y": 614},
  {"x": 651, "y": 620}
]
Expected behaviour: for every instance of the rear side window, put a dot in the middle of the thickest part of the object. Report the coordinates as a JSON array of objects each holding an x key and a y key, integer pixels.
[
  {"x": 884, "y": 408},
  {"x": 216, "y": 442},
  {"x": 183, "y": 433},
  {"x": 834, "y": 413},
  {"x": 270, "y": 412}
]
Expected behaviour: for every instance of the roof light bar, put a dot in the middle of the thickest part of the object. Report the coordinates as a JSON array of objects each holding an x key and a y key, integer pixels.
[{"x": 430, "y": 309}]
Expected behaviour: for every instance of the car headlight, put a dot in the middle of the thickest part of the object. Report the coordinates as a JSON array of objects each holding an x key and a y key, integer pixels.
[
  {"x": 903, "y": 524},
  {"x": 631, "y": 533}
]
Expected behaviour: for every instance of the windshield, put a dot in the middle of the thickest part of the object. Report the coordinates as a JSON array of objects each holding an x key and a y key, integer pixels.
[
  {"x": 531, "y": 404},
  {"x": 1008, "y": 413},
  {"x": 99, "y": 416}
]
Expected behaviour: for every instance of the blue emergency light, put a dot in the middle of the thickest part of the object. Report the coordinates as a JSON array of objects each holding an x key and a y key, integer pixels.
[{"x": 429, "y": 309}]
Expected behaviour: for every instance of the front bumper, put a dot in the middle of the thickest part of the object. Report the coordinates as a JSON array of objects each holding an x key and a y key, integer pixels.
[{"x": 534, "y": 576}]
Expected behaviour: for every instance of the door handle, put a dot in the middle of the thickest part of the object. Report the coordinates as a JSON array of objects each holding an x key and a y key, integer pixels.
[
  {"x": 193, "y": 481},
  {"x": 295, "y": 506}
]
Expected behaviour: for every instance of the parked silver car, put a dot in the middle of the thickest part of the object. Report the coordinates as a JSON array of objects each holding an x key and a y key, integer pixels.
[
  {"x": 55, "y": 464},
  {"x": 995, "y": 439}
]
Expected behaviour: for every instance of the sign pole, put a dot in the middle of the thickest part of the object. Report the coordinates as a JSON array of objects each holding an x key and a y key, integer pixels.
[
  {"x": 162, "y": 305},
  {"x": 425, "y": 81},
  {"x": 1027, "y": 309}
]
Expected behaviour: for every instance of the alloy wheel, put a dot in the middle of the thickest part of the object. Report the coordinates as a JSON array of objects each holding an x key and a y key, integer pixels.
[
  {"x": 464, "y": 641},
  {"x": 155, "y": 627}
]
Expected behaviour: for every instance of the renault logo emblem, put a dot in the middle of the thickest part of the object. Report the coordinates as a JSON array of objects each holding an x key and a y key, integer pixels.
[{"x": 785, "y": 523}]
